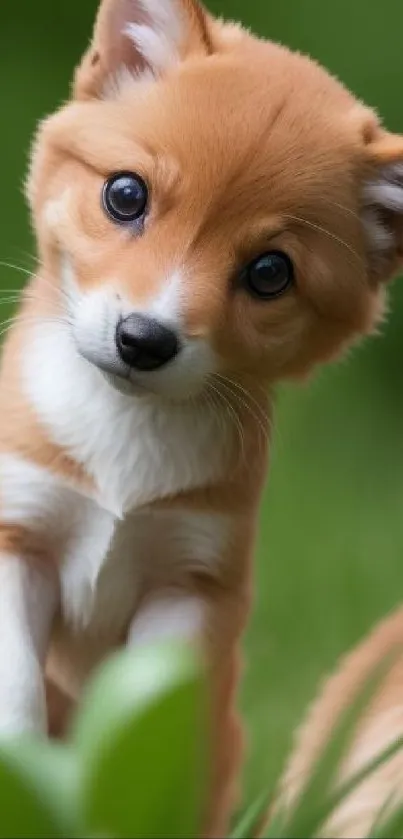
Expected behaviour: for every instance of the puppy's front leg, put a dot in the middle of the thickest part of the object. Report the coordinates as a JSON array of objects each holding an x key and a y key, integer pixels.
[
  {"x": 211, "y": 620},
  {"x": 28, "y": 598},
  {"x": 169, "y": 615}
]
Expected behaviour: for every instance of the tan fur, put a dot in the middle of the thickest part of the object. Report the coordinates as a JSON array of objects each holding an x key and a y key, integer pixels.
[
  {"x": 380, "y": 727},
  {"x": 248, "y": 147}
]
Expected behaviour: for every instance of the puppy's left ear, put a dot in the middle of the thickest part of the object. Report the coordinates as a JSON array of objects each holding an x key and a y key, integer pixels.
[
  {"x": 140, "y": 37},
  {"x": 382, "y": 202}
]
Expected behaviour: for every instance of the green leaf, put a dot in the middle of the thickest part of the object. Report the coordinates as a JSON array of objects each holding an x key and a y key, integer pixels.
[
  {"x": 140, "y": 737},
  {"x": 317, "y": 801},
  {"x": 37, "y": 790}
]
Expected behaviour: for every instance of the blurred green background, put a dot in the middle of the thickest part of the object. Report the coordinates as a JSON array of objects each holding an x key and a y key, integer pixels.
[{"x": 331, "y": 550}]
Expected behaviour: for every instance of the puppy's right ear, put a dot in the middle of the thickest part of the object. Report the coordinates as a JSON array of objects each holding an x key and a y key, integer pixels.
[
  {"x": 382, "y": 202},
  {"x": 140, "y": 37}
]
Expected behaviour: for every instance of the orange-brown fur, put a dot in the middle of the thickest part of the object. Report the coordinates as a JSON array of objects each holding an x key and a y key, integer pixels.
[{"x": 284, "y": 170}]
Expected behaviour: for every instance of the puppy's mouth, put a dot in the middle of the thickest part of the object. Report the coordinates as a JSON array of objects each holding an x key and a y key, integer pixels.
[
  {"x": 178, "y": 381},
  {"x": 125, "y": 383}
]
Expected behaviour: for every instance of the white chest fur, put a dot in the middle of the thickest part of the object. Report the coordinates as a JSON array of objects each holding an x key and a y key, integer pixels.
[
  {"x": 106, "y": 563},
  {"x": 136, "y": 451}
]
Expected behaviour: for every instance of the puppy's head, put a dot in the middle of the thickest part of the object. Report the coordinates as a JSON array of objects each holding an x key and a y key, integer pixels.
[{"x": 212, "y": 203}]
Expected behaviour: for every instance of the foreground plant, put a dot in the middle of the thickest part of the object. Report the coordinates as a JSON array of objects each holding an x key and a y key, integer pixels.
[{"x": 133, "y": 764}]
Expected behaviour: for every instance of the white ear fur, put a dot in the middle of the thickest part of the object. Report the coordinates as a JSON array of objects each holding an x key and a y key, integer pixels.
[
  {"x": 382, "y": 214},
  {"x": 143, "y": 38},
  {"x": 158, "y": 38}
]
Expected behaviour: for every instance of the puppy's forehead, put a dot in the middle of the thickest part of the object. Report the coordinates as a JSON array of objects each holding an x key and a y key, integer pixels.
[{"x": 249, "y": 117}]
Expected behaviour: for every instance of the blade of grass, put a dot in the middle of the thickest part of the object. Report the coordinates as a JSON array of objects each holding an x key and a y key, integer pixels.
[
  {"x": 322, "y": 812},
  {"x": 389, "y": 828},
  {"x": 352, "y": 783},
  {"x": 276, "y": 827},
  {"x": 381, "y": 815},
  {"x": 252, "y": 818}
]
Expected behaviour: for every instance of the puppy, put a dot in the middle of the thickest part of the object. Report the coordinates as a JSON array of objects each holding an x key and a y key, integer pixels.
[
  {"x": 213, "y": 214},
  {"x": 380, "y": 727}
]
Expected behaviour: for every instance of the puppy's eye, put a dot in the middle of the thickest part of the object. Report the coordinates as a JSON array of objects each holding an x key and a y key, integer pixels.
[
  {"x": 124, "y": 197},
  {"x": 269, "y": 275}
]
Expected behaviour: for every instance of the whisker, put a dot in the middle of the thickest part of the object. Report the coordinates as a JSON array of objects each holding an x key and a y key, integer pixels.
[
  {"x": 245, "y": 392},
  {"x": 230, "y": 408},
  {"x": 211, "y": 401},
  {"x": 5, "y": 300},
  {"x": 24, "y": 319},
  {"x": 268, "y": 418},
  {"x": 30, "y": 295},
  {"x": 327, "y": 233},
  {"x": 30, "y": 256},
  {"x": 13, "y": 267},
  {"x": 345, "y": 210},
  {"x": 219, "y": 398},
  {"x": 26, "y": 272},
  {"x": 259, "y": 416},
  {"x": 58, "y": 287},
  {"x": 17, "y": 298},
  {"x": 264, "y": 433}
]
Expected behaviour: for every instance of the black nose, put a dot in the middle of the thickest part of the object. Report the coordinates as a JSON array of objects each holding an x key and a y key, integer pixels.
[{"x": 145, "y": 344}]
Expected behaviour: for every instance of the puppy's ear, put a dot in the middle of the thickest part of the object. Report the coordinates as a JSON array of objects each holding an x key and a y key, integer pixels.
[
  {"x": 382, "y": 203},
  {"x": 140, "y": 37}
]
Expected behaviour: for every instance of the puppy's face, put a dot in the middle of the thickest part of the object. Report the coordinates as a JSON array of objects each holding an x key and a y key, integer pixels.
[{"x": 212, "y": 204}]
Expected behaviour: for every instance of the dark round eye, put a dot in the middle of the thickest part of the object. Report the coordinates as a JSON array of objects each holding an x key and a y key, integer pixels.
[
  {"x": 269, "y": 275},
  {"x": 125, "y": 196}
]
